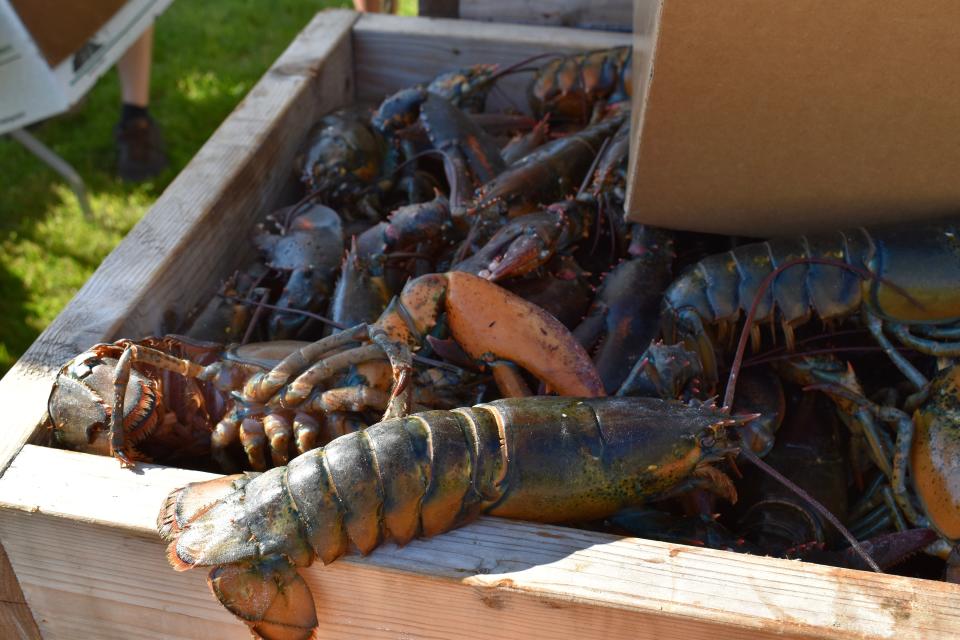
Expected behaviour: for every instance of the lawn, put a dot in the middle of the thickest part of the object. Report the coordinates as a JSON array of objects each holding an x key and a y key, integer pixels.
[{"x": 206, "y": 57}]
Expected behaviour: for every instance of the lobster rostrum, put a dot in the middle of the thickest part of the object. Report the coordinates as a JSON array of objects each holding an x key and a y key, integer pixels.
[
  {"x": 545, "y": 458},
  {"x": 898, "y": 278}
]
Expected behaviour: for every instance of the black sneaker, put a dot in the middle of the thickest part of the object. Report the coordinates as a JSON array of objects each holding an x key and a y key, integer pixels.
[{"x": 140, "y": 154}]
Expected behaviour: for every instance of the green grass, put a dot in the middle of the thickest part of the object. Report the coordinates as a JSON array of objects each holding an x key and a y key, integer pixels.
[{"x": 206, "y": 57}]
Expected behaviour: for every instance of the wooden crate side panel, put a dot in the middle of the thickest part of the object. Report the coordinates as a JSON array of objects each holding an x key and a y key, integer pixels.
[
  {"x": 391, "y": 53},
  {"x": 169, "y": 261},
  {"x": 509, "y": 579},
  {"x": 16, "y": 622},
  {"x": 614, "y": 15}
]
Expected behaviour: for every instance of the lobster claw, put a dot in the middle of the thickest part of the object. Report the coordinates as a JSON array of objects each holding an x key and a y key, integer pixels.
[
  {"x": 527, "y": 242},
  {"x": 490, "y": 323}
]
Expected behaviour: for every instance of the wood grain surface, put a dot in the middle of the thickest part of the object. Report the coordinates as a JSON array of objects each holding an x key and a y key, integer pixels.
[
  {"x": 83, "y": 542},
  {"x": 395, "y": 52}
]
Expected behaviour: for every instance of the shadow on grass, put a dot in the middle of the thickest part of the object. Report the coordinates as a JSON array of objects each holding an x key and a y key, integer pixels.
[{"x": 18, "y": 334}]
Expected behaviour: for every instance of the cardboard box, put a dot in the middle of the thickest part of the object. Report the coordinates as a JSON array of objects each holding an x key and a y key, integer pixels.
[
  {"x": 762, "y": 117},
  {"x": 52, "y": 53}
]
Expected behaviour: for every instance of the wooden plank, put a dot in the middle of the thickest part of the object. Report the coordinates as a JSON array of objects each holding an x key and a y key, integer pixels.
[
  {"x": 88, "y": 545},
  {"x": 168, "y": 261},
  {"x": 613, "y": 15},
  {"x": 392, "y": 52},
  {"x": 16, "y": 622}
]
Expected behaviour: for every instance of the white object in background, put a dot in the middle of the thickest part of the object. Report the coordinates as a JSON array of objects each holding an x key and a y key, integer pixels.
[{"x": 31, "y": 91}]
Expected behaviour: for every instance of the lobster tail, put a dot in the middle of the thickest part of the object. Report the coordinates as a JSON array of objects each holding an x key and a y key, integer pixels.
[
  {"x": 272, "y": 598},
  {"x": 265, "y": 519},
  {"x": 190, "y": 502}
]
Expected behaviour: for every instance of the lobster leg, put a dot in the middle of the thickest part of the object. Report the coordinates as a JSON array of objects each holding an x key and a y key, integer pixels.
[
  {"x": 254, "y": 440},
  {"x": 225, "y": 433},
  {"x": 924, "y": 345},
  {"x": 297, "y": 392},
  {"x": 146, "y": 355},
  {"x": 401, "y": 361},
  {"x": 279, "y": 432},
  {"x": 260, "y": 387},
  {"x": 875, "y": 325},
  {"x": 509, "y": 380},
  {"x": 397, "y": 353},
  {"x": 901, "y": 456},
  {"x": 353, "y": 399},
  {"x": 306, "y": 431}
]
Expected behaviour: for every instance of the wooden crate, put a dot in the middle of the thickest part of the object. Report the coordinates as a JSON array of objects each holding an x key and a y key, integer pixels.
[
  {"x": 79, "y": 531},
  {"x": 616, "y": 15}
]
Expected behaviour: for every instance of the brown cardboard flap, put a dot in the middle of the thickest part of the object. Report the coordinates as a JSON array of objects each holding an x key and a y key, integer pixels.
[
  {"x": 765, "y": 117},
  {"x": 61, "y": 27}
]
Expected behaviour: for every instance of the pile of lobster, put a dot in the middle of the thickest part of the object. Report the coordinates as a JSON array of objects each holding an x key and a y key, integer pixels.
[{"x": 456, "y": 320}]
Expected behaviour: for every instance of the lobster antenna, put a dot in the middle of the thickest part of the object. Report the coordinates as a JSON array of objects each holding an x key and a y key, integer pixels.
[
  {"x": 299, "y": 205},
  {"x": 518, "y": 67},
  {"x": 864, "y": 274},
  {"x": 781, "y": 351},
  {"x": 822, "y": 510},
  {"x": 417, "y": 156},
  {"x": 777, "y": 357},
  {"x": 257, "y": 312},
  {"x": 449, "y": 170},
  {"x": 593, "y": 167},
  {"x": 461, "y": 253},
  {"x": 273, "y": 307}
]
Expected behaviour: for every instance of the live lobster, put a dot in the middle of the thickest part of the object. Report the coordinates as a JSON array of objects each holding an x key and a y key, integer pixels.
[
  {"x": 546, "y": 458},
  {"x": 899, "y": 278}
]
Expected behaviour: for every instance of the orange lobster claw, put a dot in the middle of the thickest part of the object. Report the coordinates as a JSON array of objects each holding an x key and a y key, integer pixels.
[{"x": 491, "y": 323}]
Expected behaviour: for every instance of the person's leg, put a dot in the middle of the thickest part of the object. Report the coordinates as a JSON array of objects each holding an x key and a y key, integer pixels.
[
  {"x": 140, "y": 154},
  {"x": 134, "y": 70},
  {"x": 367, "y": 6},
  {"x": 375, "y": 6}
]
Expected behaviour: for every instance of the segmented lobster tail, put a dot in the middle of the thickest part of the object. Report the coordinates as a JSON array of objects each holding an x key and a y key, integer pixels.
[{"x": 428, "y": 473}]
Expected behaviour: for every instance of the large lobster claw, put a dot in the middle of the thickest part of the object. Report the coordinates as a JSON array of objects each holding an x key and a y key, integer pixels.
[{"x": 492, "y": 324}]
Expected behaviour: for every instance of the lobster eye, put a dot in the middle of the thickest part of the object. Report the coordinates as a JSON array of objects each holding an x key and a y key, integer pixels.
[{"x": 707, "y": 441}]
